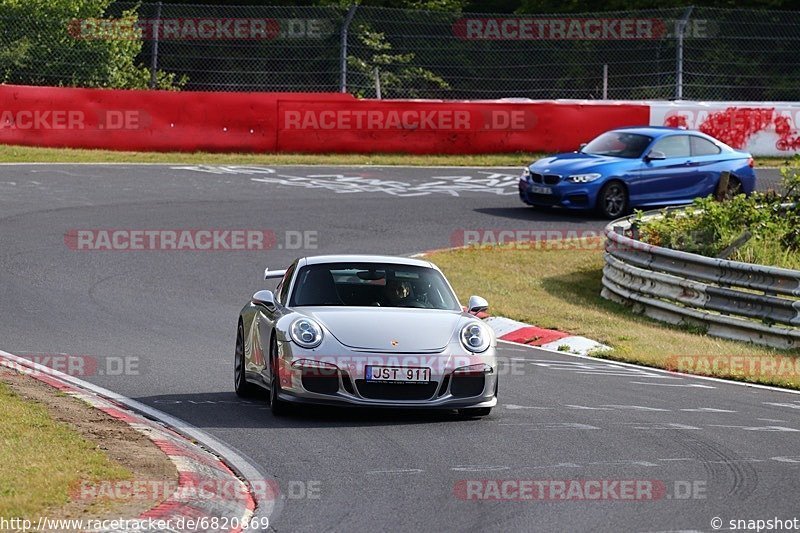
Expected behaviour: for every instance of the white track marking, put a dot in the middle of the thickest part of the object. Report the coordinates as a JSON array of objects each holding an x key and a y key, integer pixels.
[
  {"x": 687, "y": 385},
  {"x": 662, "y": 371},
  {"x": 707, "y": 410}
]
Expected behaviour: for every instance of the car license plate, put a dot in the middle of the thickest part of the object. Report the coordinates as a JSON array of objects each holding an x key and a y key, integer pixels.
[
  {"x": 541, "y": 190},
  {"x": 398, "y": 374}
]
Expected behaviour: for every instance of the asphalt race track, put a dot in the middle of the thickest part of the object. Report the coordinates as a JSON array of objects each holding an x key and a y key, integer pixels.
[{"x": 714, "y": 449}]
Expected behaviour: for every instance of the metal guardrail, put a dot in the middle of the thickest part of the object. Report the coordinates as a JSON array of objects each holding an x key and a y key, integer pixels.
[{"x": 734, "y": 300}]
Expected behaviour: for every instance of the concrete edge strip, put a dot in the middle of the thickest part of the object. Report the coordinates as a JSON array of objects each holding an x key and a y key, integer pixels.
[
  {"x": 203, "y": 463},
  {"x": 661, "y": 370},
  {"x": 551, "y": 339}
]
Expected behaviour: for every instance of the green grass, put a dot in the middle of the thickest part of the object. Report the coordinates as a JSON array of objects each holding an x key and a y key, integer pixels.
[
  {"x": 42, "y": 459},
  {"x": 560, "y": 289},
  {"x": 27, "y": 154}
]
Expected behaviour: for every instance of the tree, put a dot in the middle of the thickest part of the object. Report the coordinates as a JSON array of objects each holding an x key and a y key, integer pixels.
[
  {"x": 61, "y": 42},
  {"x": 398, "y": 77}
]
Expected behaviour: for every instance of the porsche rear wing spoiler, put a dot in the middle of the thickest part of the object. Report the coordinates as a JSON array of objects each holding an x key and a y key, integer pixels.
[{"x": 273, "y": 274}]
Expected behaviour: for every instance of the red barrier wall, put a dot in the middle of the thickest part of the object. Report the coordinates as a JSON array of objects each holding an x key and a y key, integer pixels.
[
  {"x": 297, "y": 122},
  {"x": 452, "y": 127},
  {"x": 144, "y": 120}
]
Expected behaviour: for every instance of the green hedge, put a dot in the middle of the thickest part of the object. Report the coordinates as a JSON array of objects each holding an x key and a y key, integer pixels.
[{"x": 709, "y": 227}]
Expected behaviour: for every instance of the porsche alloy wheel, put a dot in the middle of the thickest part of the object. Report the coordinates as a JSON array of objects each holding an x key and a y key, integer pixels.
[
  {"x": 242, "y": 387},
  {"x": 277, "y": 406}
]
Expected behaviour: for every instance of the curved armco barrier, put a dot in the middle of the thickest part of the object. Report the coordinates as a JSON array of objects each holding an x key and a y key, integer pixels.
[{"x": 734, "y": 300}]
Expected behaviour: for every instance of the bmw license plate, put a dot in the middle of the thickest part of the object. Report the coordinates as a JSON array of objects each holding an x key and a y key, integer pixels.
[
  {"x": 541, "y": 190},
  {"x": 397, "y": 374}
]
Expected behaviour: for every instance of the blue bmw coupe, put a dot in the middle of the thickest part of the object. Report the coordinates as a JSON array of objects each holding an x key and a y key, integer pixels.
[{"x": 637, "y": 167}]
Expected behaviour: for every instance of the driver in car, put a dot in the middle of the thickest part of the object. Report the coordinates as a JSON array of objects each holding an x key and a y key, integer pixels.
[{"x": 398, "y": 293}]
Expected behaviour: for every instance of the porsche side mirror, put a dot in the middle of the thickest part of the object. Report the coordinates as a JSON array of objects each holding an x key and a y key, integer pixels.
[
  {"x": 265, "y": 298},
  {"x": 477, "y": 305},
  {"x": 655, "y": 155}
]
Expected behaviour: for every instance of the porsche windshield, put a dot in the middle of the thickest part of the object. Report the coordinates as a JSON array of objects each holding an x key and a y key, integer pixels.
[
  {"x": 372, "y": 284},
  {"x": 618, "y": 144}
]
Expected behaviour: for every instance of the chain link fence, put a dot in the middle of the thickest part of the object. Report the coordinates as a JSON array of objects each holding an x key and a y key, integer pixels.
[{"x": 691, "y": 53}]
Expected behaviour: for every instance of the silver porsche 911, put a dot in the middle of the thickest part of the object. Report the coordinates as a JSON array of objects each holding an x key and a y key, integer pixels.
[{"x": 370, "y": 331}]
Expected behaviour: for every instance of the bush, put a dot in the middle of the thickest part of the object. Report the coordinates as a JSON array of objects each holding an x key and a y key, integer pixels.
[{"x": 770, "y": 230}]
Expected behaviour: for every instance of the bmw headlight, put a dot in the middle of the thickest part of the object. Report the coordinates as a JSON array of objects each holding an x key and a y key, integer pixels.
[
  {"x": 475, "y": 337},
  {"x": 306, "y": 332},
  {"x": 584, "y": 178},
  {"x": 526, "y": 174}
]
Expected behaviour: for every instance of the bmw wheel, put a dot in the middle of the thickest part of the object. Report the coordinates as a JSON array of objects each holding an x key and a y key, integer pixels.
[
  {"x": 734, "y": 187},
  {"x": 612, "y": 202}
]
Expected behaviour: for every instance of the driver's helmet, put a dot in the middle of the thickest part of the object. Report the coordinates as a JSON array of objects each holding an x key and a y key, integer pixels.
[{"x": 397, "y": 290}]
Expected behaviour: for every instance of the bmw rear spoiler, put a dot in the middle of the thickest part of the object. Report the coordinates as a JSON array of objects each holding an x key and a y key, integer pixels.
[{"x": 273, "y": 274}]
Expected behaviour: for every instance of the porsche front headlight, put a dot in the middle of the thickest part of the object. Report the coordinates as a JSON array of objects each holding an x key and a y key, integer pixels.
[
  {"x": 475, "y": 337},
  {"x": 306, "y": 332}
]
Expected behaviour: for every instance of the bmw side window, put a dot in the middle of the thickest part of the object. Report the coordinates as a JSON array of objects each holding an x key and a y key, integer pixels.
[
  {"x": 283, "y": 289},
  {"x": 702, "y": 146},
  {"x": 674, "y": 146}
]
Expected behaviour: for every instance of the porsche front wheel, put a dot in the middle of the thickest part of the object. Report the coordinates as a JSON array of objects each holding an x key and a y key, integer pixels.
[
  {"x": 277, "y": 406},
  {"x": 242, "y": 387}
]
